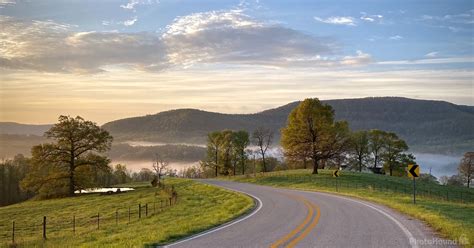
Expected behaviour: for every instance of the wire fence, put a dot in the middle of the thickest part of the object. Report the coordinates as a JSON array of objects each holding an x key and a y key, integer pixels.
[
  {"x": 423, "y": 190},
  {"x": 42, "y": 227}
]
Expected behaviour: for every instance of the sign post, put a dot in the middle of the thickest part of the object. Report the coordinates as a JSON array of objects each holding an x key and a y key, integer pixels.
[
  {"x": 336, "y": 175},
  {"x": 414, "y": 172}
]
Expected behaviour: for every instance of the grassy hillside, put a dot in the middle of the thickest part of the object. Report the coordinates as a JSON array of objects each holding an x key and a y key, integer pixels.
[
  {"x": 428, "y": 126},
  {"x": 449, "y": 210},
  {"x": 199, "y": 207}
]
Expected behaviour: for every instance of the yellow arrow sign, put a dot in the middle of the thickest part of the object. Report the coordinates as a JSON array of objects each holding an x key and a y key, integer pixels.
[
  {"x": 413, "y": 170},
  {"x": 335, "y": 173}
]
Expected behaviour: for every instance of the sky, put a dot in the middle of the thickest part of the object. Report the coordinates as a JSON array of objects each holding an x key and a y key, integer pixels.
[{"x": 107, "y": 60}]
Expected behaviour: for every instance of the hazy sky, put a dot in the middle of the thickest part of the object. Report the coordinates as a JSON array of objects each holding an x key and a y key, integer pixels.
[{"x": 106, "y": 60}]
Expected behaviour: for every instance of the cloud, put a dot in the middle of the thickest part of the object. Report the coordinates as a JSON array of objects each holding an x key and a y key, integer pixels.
[
  {"x": 4, "y": 3},
  {"x": 215, "y": 37},
  {"x": 360, "y": 58},
  {"x": 371, "y": 18},
  {"x": 131, "y": 4},
  {"x": 52, "y": 47},
  {"x": 453, "y": 22},
  {"x": 130, "y": 22},
  {"x": 233, "y": 37},
  {"x": 429, "y": 61},
  {"x": 431, "y": 54},
  {"x": 337, "y": 20},
  {"x": 396, "y": 37}
]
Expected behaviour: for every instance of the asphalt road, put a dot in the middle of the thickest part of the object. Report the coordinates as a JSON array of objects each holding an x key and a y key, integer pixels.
[{"x": 291, "y": 218}]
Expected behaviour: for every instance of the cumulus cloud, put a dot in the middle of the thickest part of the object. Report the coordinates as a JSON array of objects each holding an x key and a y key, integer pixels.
[
  {"x": 215, "y": 37},
  {"x": 233, "y": 37},
  {"x": 52, "y": 47},
  {"x": 337, "y": 20}
]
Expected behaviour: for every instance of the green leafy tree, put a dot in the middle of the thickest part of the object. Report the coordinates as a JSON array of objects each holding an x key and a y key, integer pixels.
[
  {"x": 226, "y": 151},
  {"x": 61, "y": 167},
  {"x": 393, "y": 152},
  {"x": 359, "y": 148},
  {"x": 11, "y": 173},
  {"x": 240, "y": 141},
  {"x": 121, "y": 174},
  {"x": 311, "y": 126},
  {"x": 214, "y": 140},
  {"x": 376, "y": 145},
  {"x": 466, "y": 167}
]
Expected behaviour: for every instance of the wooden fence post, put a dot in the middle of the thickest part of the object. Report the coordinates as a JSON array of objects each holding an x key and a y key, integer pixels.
[
  {"x": 170, "y": 201},
  {"x": 44, "y": 227},
  {"x": 139, "y": 211},
  {"x": 146, "y": 210}
]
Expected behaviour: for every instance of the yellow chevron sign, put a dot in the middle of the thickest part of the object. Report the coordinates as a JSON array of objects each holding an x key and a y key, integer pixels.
[{"x": 413, "y": 170}]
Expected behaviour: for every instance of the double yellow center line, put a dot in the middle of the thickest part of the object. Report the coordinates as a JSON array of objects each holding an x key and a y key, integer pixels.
[{"x": 302, "y": 229}]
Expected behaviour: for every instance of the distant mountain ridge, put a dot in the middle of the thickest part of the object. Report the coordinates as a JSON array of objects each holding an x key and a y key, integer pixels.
[
  {"x": 23, "y": 129},
  {"x": 427, "y": 125}
]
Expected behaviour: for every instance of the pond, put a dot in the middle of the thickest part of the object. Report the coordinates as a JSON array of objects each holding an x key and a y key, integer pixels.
[{"x": 102, "y": 190}]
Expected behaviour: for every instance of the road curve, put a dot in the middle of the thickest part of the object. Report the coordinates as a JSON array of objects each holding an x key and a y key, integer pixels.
[{"x": 292, "y": 218}]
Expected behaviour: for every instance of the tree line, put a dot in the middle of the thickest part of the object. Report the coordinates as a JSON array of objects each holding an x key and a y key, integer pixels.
[{"x": 312, "y": 137}]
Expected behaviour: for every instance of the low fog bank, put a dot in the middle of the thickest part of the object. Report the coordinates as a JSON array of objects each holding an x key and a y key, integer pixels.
[
  {"x": 136, "y": 166},
  {"x": 147, "y": 144},
  {"x": 441, "y": 165}
]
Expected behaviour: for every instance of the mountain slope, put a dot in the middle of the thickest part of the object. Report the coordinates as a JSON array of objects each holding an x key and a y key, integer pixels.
[
  {"x": 429, "y": 126},
  {"x": 23, "y": 129}
]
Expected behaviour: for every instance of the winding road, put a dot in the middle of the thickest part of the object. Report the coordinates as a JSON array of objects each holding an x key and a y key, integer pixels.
[{"x": 292, "y": 218}]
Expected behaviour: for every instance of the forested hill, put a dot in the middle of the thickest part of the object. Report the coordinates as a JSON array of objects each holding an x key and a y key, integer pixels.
[
  {"x": 23, "y": 129},
  {"x": 428, "y": 126}
]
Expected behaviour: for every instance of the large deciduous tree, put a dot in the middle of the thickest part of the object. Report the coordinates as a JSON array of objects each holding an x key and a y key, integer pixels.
[
  {"x": 376, "y": 145},
  {"x": 466, "y": 167},
  {"x": 214, "y": 141},
  {"x": 359, "y": 148},
  {"x": 394, "y": 149},
  {"x": 311, "y": 126},
  {"x": 66, "y": 164},
  {"x": 240, "y": 141},
  {"x": 262, "y": 138}
]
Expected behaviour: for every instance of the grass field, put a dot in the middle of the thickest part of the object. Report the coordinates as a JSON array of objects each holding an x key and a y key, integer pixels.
[
  {"x": 451, "y": 219},
  {"x": 199, "y": 207}
]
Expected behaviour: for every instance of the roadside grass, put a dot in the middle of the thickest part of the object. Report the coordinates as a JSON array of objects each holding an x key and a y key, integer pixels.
[
  {"x": 199, "y": 207},
  {"x": 451, "y": 219}
]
